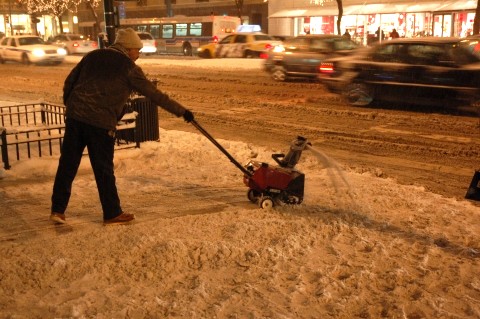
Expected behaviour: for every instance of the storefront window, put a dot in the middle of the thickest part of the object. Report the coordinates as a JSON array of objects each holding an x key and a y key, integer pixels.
[
  {"x": 363, "y": 28},
  {"x": 463, "y": 26}
]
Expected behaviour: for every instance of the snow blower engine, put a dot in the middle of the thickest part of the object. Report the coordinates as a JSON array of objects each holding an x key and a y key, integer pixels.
[{"x": 269, "y": 185}]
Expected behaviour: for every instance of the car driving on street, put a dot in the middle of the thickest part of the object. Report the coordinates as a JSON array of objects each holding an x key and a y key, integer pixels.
[
  {"x": 299, "y": 57},
  {"x": 149, "y": 43},
  {"x": 28, "y": 49},
  {"x": 441, "y": 72},
  {"x": 239, "y": 45},
  {"x": 74, "y": 43}
]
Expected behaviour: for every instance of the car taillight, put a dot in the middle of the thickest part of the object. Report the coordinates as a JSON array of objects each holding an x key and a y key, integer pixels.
[
  {"x": 94, "y": 44},
  {"x": 155, "y": 43},
  {"x": 75, "y": 44},
  {"x": 326, "y": 67},
  {"x": 268, "y": 46},
  {"x": 215, "y": 39},
  {"x": 263, "y": 55}
]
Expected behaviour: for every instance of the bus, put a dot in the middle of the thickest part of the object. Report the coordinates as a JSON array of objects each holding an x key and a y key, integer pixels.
[{"x": 182, "y": 34}]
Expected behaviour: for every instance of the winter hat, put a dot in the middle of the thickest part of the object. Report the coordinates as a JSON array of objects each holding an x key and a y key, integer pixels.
[{"x": 129, "y": 39}]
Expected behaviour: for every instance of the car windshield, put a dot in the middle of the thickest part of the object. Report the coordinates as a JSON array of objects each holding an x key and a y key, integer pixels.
[
  {"x": 30, "y": 41},
  {"x": 344, "y": 44},
  {"x": 462, "y": 55},
  {"x": 75, "y": 37},
  {"x": 145, "y": 36}
]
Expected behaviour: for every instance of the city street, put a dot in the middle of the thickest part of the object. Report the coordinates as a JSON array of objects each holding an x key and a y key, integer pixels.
[{"x": 234, "y": 99}]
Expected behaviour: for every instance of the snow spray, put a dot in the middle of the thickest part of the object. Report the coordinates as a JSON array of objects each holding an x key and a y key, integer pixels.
[{"x": 336, "y": 174}]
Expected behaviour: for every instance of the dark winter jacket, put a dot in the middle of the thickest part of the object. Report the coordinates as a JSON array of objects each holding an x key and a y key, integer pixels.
[{"x": 97, "y": 89}]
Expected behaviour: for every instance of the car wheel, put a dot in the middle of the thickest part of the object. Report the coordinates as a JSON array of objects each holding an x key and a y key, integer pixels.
[
  {"x": 248, "y": 54},
  {"x": 207, "y": 54},
  {"x": 25, "y": 59},
  {"x": 279, "y": 73},
  {"x": 187, "y": 50},
  {"x": 359, "y": 94}
]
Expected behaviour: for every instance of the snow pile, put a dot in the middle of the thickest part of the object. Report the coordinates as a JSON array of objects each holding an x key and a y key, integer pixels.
[{"x": 359, "y": 245}]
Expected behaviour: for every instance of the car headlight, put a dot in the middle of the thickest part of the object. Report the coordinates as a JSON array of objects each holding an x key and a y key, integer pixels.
[
  {"x": 38, "y": 52},
  {"x": 62, "y": 51}
]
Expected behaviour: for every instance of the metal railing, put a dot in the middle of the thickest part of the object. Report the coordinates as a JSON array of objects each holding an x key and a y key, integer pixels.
[{"x": 29, "y": 129}]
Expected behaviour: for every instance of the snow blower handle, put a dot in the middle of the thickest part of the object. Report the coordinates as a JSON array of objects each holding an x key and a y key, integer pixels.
[{"x": 220, "y": 147}]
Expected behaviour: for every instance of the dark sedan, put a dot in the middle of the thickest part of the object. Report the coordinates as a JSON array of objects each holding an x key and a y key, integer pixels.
[
  {"x": 422, "y": 71},
  {"x": 300, "y": 56}
]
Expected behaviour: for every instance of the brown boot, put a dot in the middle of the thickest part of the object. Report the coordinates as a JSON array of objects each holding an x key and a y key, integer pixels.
[
  {"x": 58, "y": 218},
  {"x": 121, "y": 219}
]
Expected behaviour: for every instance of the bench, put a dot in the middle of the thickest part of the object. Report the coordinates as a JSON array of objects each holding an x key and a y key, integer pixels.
[{"x": 34, "y": 126}]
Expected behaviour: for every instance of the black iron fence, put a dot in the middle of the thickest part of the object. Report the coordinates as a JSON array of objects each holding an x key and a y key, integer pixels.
[{"x": 38, "y": 128}]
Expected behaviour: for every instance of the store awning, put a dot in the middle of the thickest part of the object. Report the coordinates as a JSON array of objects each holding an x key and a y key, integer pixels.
[{"x": 329, "y": 10}]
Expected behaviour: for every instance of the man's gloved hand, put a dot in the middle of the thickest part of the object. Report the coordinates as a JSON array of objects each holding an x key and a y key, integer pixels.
[{"x": 188, "y": 116}]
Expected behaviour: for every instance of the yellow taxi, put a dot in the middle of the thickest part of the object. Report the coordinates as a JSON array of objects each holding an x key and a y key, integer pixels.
[{"x": 239, "y": 45}]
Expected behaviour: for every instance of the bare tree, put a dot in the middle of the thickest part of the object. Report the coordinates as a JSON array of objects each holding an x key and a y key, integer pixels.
[
  {"x": 92, "y": 5},
  {"x": 54, "y": 7}
]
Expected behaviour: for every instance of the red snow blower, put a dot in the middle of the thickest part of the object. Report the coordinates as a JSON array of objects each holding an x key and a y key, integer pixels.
[{"x": 269, "y": 185}]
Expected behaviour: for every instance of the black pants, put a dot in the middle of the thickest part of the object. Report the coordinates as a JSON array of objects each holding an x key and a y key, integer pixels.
[{"x": 100, "y": 145}]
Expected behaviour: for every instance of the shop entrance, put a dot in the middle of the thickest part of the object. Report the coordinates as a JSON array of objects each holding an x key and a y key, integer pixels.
[{"x": 442, "y": 25}]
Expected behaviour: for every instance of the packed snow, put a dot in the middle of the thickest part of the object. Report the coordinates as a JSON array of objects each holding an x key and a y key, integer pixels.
[{"x": 359, "y": 246}]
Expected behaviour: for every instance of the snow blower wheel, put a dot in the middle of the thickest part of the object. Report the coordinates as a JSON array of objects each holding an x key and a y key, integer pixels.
[
  {"x": 266, "y": 202},
  {"x": 253, "y": 195}
]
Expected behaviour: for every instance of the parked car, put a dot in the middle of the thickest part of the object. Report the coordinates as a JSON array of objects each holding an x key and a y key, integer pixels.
[
  {"x": 300, "y": 56},
  {"x": 239, "y": 45},
  {"x": 149, "y": 43},
  {"x": 74, "y": 43},
  {"x": 421, "y": 71},
  {"x": 30, "y": 49}
]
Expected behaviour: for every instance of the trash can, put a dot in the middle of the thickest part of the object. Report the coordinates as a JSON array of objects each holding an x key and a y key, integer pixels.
[
  {"x": 146, "y": 124},
  {"x": 147, "y": 128}
]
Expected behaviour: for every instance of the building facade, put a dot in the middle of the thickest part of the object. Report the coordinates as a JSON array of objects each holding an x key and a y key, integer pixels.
[
  {"x": 14, "y": 18},
  {"x": 362, "y": 19}
]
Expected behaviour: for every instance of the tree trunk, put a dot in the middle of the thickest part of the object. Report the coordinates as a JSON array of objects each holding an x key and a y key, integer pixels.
[
  {"x": 60, "y": 24},
  {"x": 96, "y": 25},
  {"x": 476, "y": 20},
  {"x": 239, "y": 4},
  {"x": 340, "y": 15}
]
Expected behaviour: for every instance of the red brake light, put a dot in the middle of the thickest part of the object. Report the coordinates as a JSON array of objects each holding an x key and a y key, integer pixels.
[
  {"x": 94, "y": 44},
  {"x": 215, "y": 39},
  {"x": 326, "y": 68},
  {"x": 268, "y": 46},
  {"x": 75, "y": 44},
  {"x": 263, "y": 55}
]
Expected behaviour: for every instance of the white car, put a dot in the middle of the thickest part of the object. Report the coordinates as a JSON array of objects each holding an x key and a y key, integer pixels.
[
  {"x": 74, "y": 43},
  {"x": 149, "y": 43},
  {"x": 28, "y": 49}
]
